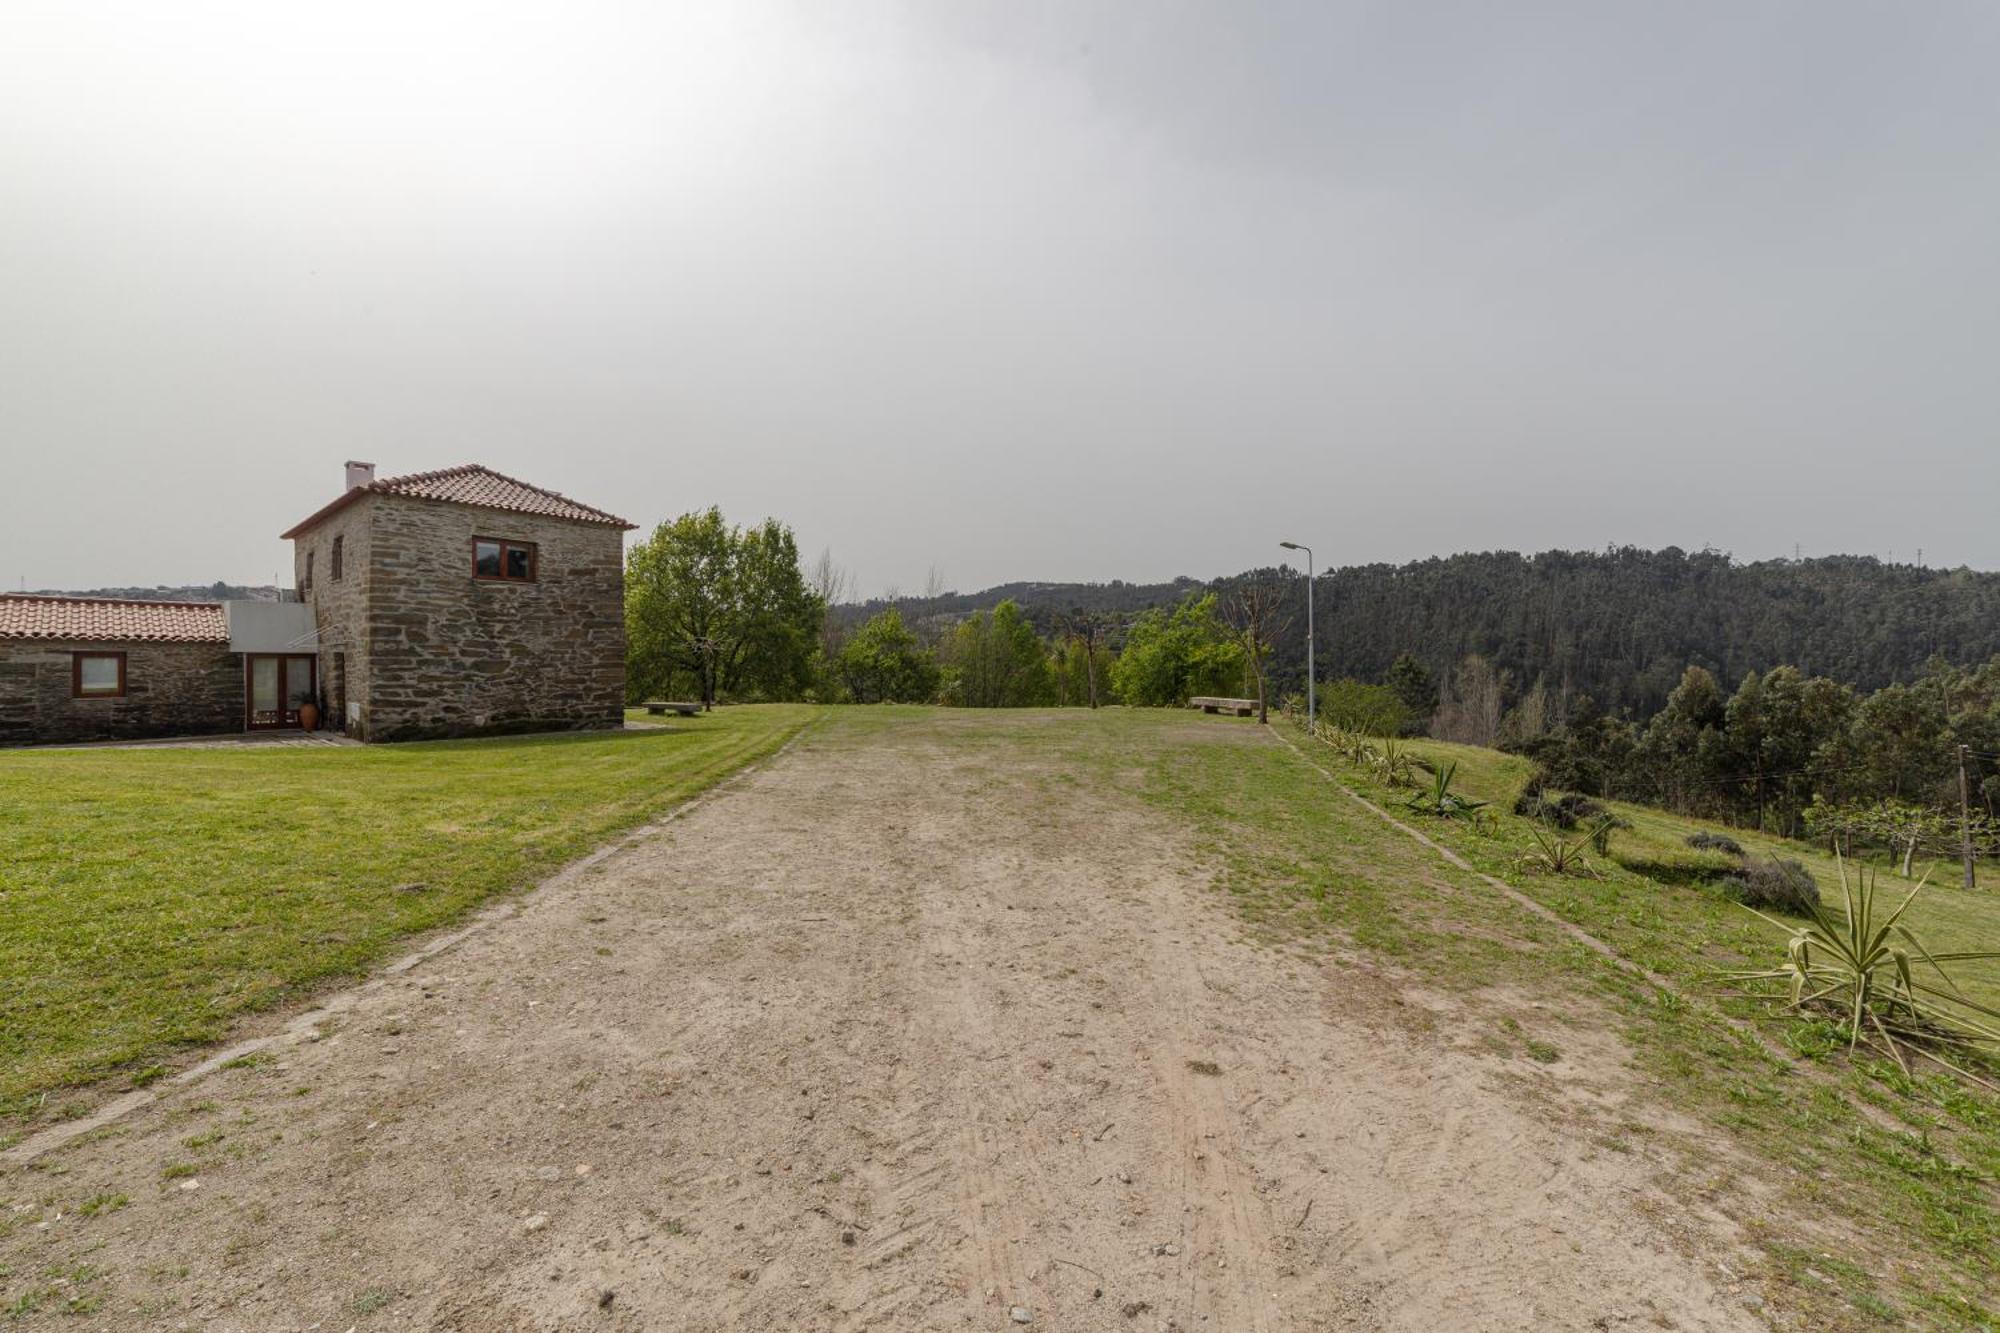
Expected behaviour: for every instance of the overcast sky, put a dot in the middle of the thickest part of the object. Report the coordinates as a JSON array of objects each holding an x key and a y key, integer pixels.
[{"x": 1015, "y": 290}]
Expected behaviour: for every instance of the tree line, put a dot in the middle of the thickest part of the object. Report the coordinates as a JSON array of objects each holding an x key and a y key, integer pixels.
[
  {"x": 1619, "y": 625},
  {"x": 720, "y": 612}
]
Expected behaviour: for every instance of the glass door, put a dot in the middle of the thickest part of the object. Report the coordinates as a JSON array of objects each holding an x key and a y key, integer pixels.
[
  {"x": 266, "y": 691},
  {"x": 300, "y": 687},
  {"x": 276, "y": 686}
]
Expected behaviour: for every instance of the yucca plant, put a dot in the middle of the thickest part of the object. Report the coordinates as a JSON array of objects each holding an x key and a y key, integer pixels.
[
  {"x": 1394, "y": 764},
  {"x": 1557, "y": 855},
  {"x": 1870, "y": 974},
  {"x": 1441, "y": 801}
]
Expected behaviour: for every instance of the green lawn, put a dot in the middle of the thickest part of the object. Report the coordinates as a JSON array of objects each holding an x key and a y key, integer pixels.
[
  {"x": 150, "y": 896},
  {"x": 1944, "y": 916},
  {"x": 1885, "y": 1212}
]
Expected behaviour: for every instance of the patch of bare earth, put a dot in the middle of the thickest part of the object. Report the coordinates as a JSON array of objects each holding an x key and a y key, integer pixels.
[{"x": 896, "y": 1035}]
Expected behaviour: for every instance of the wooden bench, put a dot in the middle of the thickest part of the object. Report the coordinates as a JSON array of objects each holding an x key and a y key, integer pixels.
[
  {"x": 1240, "y": 707},
  {"x": 660, "y": 707}
]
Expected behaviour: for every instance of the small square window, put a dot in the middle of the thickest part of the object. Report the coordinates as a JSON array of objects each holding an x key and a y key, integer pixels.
[
  {"x": 97, "y": 675},
  {"x": 508, "y": 562}
]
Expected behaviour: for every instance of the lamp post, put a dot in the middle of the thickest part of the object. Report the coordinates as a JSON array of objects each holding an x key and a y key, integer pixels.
[{"x": 1312, "y": 711}]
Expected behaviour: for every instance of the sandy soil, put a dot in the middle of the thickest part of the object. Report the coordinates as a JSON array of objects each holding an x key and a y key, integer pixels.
[{"x": 895, "y": 1034}]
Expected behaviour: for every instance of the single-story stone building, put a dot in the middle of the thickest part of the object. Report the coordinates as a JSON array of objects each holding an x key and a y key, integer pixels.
[{"x": 438, "y": 604}]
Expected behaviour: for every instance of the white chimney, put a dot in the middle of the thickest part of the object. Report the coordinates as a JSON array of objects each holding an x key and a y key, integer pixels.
[{"x": 359, "y": 474}]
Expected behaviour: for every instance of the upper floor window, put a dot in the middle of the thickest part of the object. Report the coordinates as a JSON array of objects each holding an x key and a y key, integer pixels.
[
  {"x": 338, "y": 542},
  {"x": 96, "y": 675},
  {"x": 512, "y": 562},
  {"x": 305, "y": 585}
]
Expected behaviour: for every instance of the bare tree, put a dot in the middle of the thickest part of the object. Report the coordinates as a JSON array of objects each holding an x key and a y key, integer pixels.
[
  {"x": 833, "y": 583},
  {"x": 1089, "y": 628},
  {"x": 1256, "y": 611},
  {"x": 1474, "y": 703}
]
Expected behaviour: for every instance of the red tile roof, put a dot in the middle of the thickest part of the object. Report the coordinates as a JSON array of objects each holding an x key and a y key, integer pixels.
[
  {"x": 471, "y": 485},
  {"x": 110, "y": 620}
]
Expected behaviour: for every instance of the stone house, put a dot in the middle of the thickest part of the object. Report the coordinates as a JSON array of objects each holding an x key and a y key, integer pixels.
[{"x": 440, "y": 604}]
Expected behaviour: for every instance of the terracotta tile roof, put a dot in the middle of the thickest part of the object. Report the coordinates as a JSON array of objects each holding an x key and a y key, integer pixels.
[
  {"x": 110, "y": 620},
  {"x": 471, "y": 485}
]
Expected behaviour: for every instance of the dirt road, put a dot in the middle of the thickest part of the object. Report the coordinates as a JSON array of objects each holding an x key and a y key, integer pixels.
[{"x": 907, "y": 1030}]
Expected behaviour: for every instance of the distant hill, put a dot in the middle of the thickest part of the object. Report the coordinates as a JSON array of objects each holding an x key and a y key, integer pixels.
[
  {"x": 1620, "y": 625},
  {"x": 190, "y": 592}
]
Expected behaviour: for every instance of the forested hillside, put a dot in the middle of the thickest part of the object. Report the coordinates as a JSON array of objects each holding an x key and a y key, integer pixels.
[{"x": 1619, "y": 625}]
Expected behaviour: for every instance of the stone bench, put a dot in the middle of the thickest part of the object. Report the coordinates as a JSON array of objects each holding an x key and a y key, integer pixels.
[
  {"x": 660, "y": 707},
  {"x": 1239, "y": 707}
]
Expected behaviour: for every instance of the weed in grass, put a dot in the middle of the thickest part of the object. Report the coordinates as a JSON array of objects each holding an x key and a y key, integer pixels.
[
  {"x": 177, "y": 1170},
  {"x": 150, "y": 1074},
  {"x": 196, "y": 1142},
  {"x": 1542, "y": 1051},
  {"x": 103, "y": 1203}
]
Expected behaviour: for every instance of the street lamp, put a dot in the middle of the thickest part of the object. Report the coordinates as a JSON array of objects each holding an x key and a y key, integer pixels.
[{"x": 1312, "y": 712}]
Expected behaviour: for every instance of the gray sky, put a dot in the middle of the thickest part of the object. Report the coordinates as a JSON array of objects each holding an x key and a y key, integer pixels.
[{"x": 1018, "y": 290}]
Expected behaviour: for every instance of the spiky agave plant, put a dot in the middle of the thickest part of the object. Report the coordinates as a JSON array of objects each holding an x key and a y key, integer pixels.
[
  {"x": 1872, "y": 975},
  {"x": 1440, "y": 800},
  {"x": 1394, "y": 764},
  {"x": 1558, "y": 856}
]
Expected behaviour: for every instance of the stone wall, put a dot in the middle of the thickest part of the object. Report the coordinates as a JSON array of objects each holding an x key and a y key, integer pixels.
[
  {"x": 340, "y": 607},
  {"x": 447, "y": 654},
  {"x": 171, "y": 689}
]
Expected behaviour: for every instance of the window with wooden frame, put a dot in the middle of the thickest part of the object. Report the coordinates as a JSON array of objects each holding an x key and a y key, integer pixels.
[
  {"x": 338, "y": 543},
  {"x": 96, "y": 675},
  {"x": 503, "y": 561}
]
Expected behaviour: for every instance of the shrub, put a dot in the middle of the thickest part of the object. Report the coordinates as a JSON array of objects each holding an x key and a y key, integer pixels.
[
  {"x": 1372, "y": 710},
  {"x": 1566, "y": 811},
  {"x": 1716, "y": 842},
  {"x": 1785, "y": 886}
]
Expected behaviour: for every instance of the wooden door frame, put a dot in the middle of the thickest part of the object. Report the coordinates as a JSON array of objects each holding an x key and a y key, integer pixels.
[{"x": 284, "y": 689}]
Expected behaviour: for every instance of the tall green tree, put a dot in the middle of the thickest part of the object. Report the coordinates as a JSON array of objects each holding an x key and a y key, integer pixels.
[
  {"x": 996, "y": 660},
  {"x": 1173, "y": 656},
  {"x": 723, "y": 607},
  {"x": 883, "y": 662},
  {"x": 1414, "y": 685}
]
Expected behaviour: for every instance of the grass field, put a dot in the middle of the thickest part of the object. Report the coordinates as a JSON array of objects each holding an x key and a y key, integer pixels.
[
  {"x": 148, "y": 897},
  {"x": 1887, "y": 1213},
  {"x": 1944, "y": 916}
]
